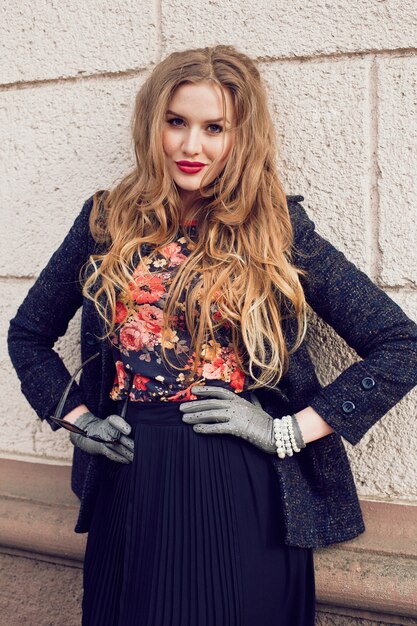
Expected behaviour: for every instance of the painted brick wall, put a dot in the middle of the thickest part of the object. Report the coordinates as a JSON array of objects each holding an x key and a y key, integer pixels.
[{"x": 342, "y": 80}]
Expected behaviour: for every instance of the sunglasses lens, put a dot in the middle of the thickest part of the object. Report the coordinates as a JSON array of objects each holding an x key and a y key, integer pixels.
[
  {"x": 75, "y": 429},
  {"x": 68, "y": 425}
]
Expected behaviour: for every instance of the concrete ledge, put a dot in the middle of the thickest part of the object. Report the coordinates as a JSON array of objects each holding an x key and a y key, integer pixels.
[
  {"x": 39, "y": 510},
  {"x": 377, "y": 571},
  {"x": 374, "y": 575},
  {"x": 370, "y": 581}
]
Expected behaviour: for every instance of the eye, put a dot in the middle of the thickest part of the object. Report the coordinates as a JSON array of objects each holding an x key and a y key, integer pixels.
[
  {"x": 174, "y": 119},
  {"x": 220, "y": 128}
]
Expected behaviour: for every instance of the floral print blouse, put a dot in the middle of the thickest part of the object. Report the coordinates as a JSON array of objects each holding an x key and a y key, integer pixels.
[{"x": 141, "y": 371}]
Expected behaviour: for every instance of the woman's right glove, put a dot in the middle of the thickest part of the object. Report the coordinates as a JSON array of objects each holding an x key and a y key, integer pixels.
[{"x": 113, "y": 430}]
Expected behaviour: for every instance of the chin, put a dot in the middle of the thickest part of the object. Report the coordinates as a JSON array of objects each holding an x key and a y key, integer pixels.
[{"x": 187, "y": 187}]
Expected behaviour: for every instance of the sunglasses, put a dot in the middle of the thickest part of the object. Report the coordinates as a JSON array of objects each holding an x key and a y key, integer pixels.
[{"x": 57, "y": 419}]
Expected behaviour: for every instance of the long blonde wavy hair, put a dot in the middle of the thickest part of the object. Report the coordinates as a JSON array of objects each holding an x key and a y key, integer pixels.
[{"x": 243, "y": 244}]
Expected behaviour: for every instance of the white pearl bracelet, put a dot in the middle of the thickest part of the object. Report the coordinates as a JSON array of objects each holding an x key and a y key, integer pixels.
[
  {"x": 278, "y": 438},
  {"x": 284, "y": 436},
  {"x": 288, "y": 420}
]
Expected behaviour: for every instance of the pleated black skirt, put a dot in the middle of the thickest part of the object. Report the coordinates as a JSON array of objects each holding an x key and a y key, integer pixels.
[{"x": 191, "y": 533}]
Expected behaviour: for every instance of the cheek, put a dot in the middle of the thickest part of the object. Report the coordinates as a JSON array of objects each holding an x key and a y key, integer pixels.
[
  {"x": 224, "y": 151},
  {"x": 168, "y": 142},
  {"x": 228, "y": 148}
]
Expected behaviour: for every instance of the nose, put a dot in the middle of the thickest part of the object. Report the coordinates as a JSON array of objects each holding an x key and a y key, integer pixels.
[{"x": 191, "y": 142}]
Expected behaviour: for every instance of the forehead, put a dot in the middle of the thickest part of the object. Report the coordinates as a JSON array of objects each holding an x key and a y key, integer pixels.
[{"x": 201, "y": 99}]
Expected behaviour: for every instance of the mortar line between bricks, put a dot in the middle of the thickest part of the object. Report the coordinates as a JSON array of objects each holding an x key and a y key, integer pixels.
[
  {"x": 374, "y": 170},
  {"x": 340, "y": 56},
  {"x": 159, "y": 30},
  {"x": 266, "y": 60},
  {"x": 10, "y": 278},
  {"x": 60, "y": 80},
  {"x": 405, "y": 289}
]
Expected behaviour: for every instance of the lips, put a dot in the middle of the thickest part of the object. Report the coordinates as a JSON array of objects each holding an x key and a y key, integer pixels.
[
  {"x": 190, "y": 167},
  {"x": 190, "y": 163}
]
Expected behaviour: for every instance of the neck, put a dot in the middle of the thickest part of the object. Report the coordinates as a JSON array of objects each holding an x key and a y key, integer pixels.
[{"x": 187, "y": 198}]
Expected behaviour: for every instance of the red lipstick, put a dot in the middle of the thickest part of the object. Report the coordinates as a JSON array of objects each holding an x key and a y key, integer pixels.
[
  {"x": 191, "y": 163},
  {"x": 190, "y": 167}
]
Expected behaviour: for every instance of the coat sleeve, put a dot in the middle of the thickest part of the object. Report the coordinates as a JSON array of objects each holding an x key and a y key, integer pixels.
[
  {"x": 44, "y": 316},
  {"x": 368, "y": 320}
]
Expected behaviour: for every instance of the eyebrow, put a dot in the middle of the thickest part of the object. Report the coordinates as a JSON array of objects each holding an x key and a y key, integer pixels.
[{"x": 219, "y": 119}]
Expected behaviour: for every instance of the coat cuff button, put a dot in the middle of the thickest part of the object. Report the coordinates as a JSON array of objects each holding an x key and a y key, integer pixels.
[
  {"x": 90, "y": 339},
  {"x": 368, "y": 382},
  {"x": 348, "y": 406}
]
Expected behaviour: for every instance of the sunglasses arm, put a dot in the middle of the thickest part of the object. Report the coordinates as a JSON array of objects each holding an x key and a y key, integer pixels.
[{"x": 64, "y": 396}]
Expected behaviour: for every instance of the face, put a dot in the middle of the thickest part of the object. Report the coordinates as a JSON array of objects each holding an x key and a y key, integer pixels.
[{"x": 194, "y": 132}]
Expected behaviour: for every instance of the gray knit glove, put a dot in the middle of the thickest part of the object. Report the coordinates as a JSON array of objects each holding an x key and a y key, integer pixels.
[
  {"x": 99, "y": 431},
  {"x": 234, "y": 416}
]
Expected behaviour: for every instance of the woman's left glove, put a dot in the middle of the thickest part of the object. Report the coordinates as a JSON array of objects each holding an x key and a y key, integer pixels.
[
  {"x": 233, "y": 416},
  {"x": 104, "y": 436}
]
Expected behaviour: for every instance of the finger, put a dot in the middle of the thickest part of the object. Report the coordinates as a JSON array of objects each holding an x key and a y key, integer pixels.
[
  {"x": 205, "y": 416},
  {"x": 127, "y": 442},
  {"x": 212, "y": 429},
  {"x": 113, "y": 455},
  {"x": 204, "y": 405},
  {"x": 120, "y": 450},
  {"x": 120, "y": 424},
  {"x": 212, "y": 390}
]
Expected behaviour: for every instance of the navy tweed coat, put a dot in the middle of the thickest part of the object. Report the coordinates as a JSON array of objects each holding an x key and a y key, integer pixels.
[{"x": 318, "y": 491}]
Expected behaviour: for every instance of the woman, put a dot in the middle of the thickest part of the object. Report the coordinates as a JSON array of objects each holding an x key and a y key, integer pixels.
[{"x": 203, "y": 499}]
